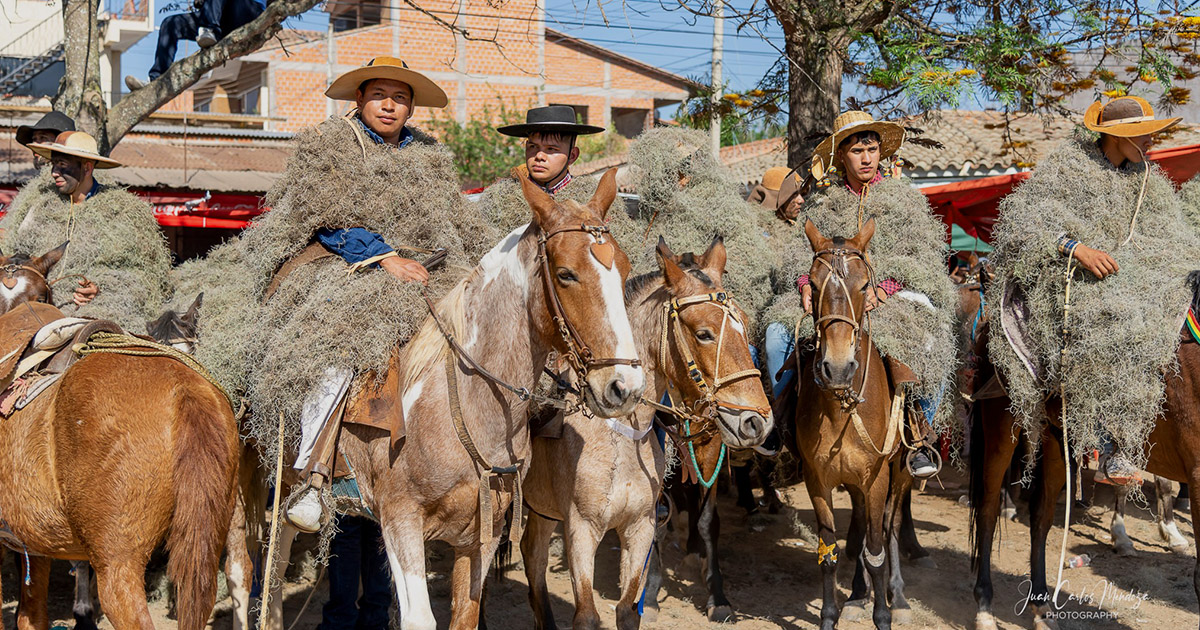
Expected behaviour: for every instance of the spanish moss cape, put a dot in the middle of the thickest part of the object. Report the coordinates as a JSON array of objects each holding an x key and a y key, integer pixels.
[
  {"x": 1190, "y": 194},
  {"x": 689, "y": 199},
  {"x": 321, "y": 317},
  {"x": 115, "y": 242},
  {"x": 909, "y": 246},
  {"x": 504, "y": 207},
  {"x": 1124, "y": 330}
]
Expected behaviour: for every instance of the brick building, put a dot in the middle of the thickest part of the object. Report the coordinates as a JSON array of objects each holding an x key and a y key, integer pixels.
[{"x": 495, "y": 56}]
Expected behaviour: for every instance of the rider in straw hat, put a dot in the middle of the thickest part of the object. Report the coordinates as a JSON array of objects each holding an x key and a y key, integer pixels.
[
  {"x": 1096, "y": 205},
  {"x": 100, "y": 222}
]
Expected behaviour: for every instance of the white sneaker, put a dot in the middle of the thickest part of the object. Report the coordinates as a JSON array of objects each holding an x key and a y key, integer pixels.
[
  {"x": 133, "y": 83},
  {"x": 206, "y": 37},
  {"x": 307, "y": 512}
]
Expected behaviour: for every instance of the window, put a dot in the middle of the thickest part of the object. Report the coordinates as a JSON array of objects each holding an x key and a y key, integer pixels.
[{"x": 355, "y": 14}]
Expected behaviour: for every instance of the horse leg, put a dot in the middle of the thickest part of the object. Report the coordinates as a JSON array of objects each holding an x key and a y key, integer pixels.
[
  {"x": 123, "y": 593},
  {"x": 901, "y": 491},
  {"x": 718, "y": 608},
  {"x": 467, "y": 584},
  {"x": 992, "y": 448},
  {"x": 581, "y": 543},
  {"x": 875, "y": 551},
  {"x": 826, "y": 552},
  {"x": 653, "y": 579},
  {"x": 855, "y": 608},
  {"x": 85, "y": 610},
  {"x": 766, "y": 469},
  {"x": 1165, "y": 502},
  {"x": 1120, "y": 539},
  {"x": 1194, "y": 482},
  {"x": 636, "y": 542},
  {"x": 745, "y": 488},
  {"x": 535, "y": 549},
  {"x": 909, "y": 545},
  {"x": 31, "y": 609},
  {"x": 1051, "y": 476},
  {"x": 405, "y": 545},
  {"x": 239, "y": 568}
]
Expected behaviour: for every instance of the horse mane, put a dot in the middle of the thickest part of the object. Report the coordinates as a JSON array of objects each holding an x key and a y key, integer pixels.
[
  {"x": 639, "y": 287},
  {"x": 429, "y": 346}
]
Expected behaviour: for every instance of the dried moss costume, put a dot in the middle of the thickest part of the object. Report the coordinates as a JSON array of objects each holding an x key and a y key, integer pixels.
[
  {"x": 503, "y": 204},
  {"x": 1125, "y": 329},
  {"x": 115, "y": 243},
  {"x": 688, "y": 198},
  {"x": 1189, "y": 193},
  {"x": 909, "y": 246}
]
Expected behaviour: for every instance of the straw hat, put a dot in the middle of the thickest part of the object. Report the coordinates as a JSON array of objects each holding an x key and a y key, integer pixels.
[
  {"x": 1126, "y": 117},
  {"x": 891, "y": 136},
  {"x": 76, "y": 143},
  {"x": 426, "y": 93},
  {"x": 766, "y": 192}
]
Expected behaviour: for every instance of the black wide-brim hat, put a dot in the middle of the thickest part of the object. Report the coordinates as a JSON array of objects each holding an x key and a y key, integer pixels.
[
  {"x": 552, "y": 119},
  {"x": 57, "y": 122}
]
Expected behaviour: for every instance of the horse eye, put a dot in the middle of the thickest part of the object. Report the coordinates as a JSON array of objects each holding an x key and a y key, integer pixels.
[
  {"x": 705, "y": 335},
  {"x": 566, "y": 275}
]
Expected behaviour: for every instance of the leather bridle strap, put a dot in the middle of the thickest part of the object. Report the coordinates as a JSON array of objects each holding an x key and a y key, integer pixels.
[{"x": 578, "y": 354}]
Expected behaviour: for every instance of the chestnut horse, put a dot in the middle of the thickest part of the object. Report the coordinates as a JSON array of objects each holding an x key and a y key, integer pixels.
[
  {"x": 596, "y": 477},
  {"x": 120, "y": 454},
  {"x": 1174, "y": 453},
  {"x": 563, "y": 266},
  {"x": 848, "y": 427}
]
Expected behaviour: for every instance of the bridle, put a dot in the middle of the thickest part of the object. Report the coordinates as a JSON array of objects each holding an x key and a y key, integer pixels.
[
  {"x": 10, "y": 270},
  {"x": 839, "y": 268},
  {"x": 578, "y": 353}
]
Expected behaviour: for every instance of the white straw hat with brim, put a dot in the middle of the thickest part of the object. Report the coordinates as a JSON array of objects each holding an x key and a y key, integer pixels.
[
  {"x": 75, "y": 143},
  {"x": 1125, "y": 117},
  {"x": 426, "y": 93},
  {"x": 891, "y": 137}
]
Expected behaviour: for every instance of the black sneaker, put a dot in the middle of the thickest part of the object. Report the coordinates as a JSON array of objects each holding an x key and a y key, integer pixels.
[{"x": 921, "y": 465}]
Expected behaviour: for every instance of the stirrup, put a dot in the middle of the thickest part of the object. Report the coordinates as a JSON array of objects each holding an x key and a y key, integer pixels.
[
  {"x": 295, "y": 497},
  {"x": 934, "y": 456}
]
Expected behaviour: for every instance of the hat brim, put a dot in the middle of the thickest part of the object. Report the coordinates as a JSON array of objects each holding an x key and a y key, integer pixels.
[
  {"x": 524, "y": 130},
  {"x": 45, "y": 149},
  {"x": 1091, "y": 120},
  {"x": 426, "y": 93},
  {"x": 891, "y": 138},
  {"x": 788, "y": 189}
]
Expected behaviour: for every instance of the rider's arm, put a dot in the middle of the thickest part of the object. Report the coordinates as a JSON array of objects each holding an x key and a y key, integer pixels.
[
  {"x": 1099, "y": 263},
  {"x": 353, "y": 244}
]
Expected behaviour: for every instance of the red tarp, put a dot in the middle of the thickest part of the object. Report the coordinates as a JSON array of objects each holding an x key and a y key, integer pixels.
[{"x": 183, "y": 209}]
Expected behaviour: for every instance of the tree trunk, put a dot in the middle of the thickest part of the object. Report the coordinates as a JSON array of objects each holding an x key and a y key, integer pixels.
[
  {"x": 80, "y": 95},
  {"x": 814, "y": 91}
]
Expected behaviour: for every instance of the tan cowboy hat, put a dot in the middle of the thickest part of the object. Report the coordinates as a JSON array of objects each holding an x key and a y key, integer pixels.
[
  {"x": 426, "y": 93},
  {"x": 76, "y": 143},
  {"x": 767, "y": 191},
  {"x": 891, "y": 136},
  {"x": 789, "y": 187},
  {"x": 1125, "y": 117}
]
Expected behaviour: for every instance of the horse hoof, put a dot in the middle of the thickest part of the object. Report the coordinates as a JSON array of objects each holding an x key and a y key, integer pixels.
[
  {"x": 1125, "y": 549},
  {"x": 985, "y": 621},
  {"x": 855, "y": 610},
  {"x": 1040, "y": 621},
  {"x": 925, "y": 562},
  {"x": 720, "y": 614},
  {"x": 901, "y": 616},
  {"x": 649, "y": 615},
  {"x": 1010, "y": 514}
]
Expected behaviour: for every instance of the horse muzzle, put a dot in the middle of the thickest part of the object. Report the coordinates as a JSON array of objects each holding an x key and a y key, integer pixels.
[
  {"x": 835, "y": 375},
  {"x": 614, "y": 392},
  {"x": 744, "y": 428}
]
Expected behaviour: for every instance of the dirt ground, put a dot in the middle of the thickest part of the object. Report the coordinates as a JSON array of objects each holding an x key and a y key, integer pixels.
[{"x": 773, "y": 580}]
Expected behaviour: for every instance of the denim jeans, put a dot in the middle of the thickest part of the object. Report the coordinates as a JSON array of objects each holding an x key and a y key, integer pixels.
[
  {"x": 779, "y": 343},
  {"x": 356, "y": 555},
  {"x": 222, "y": 16}
]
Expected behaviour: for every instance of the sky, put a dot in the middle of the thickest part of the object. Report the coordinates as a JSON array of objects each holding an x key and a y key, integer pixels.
[{"x": 646, "y": 30}]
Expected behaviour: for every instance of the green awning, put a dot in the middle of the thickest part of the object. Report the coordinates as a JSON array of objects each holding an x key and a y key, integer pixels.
[{"x": 960, "y": 241}]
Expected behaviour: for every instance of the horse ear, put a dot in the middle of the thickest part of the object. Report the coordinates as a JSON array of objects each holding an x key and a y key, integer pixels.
[
  {"x": 193, "y": 312},
  {"x": 670, "y": 269},
  {"x": 864, "y": 236},
  {"x": 713, "y": 260},
  {"x": 605, "y": 194},
  {"x": 540, "y": 201},
  {"x": 816, "y": 240},
  {"x": 50, "y": 258}
]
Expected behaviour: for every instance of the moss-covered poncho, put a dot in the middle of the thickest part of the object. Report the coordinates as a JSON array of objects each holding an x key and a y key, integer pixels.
[
  {"x": 115, "y": 243},
  {"x": 909, "y": 246},
  {"x": 1125, "y": 329},
  {"x": 320, "y": 317},
  {"x": 503, "y": 204}
]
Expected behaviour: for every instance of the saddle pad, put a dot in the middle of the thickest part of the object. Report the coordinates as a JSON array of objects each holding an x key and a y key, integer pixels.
[
  {"x": 36, "y": 388},
  {"x": 1014, "y": 315},
  {"x": 17, "y": 329}
]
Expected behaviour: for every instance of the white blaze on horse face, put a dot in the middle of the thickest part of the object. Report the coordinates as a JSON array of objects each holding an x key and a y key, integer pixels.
[
  {"x": 505, "y": 258},
  {"x": 612, "y": 293},
  {"x": 11, "y": 294}
]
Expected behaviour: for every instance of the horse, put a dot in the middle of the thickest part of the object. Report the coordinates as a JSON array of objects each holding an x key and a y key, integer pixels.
[
  {"x": 556, "y": 284},
  {"x": 596, "y": 477},
  {"x": 129, "y": 451},
  {"x": 838, "y": 427},
  {"x": 1164, "y": 518},
  {"x": 1174, "y": 453}
]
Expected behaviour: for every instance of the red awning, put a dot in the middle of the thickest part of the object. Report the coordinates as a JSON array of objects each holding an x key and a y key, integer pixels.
[{"x": 186, "y": 209}]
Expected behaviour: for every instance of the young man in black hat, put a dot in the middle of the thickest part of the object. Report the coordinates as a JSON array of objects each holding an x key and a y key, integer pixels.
[
  {"x": 550, "y": 150},
  {"x": 43, "y": 131}
]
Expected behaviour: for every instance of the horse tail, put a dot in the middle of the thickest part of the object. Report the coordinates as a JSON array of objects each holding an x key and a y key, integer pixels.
[
  {"x": 206, "y": 449},
  {"x": 978, "y": 491}
]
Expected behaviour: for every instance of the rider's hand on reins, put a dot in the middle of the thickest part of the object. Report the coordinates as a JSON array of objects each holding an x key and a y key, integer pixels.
[
  {"x": 85, "y": 292},
  {"x": 875, "y": 298},
  {"x": 405, "y": 269},
  {"x": 1099, "y": 263}
]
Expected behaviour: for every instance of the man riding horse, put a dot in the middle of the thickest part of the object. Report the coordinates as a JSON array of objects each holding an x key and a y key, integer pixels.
[
  {"x": 911, "y": 304},
  {"x": 115, "y": 249}
]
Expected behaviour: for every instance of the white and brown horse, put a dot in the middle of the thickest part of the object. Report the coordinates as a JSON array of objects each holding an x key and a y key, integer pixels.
[
  {"x": 598, "y": 477},
  {"x": 563, "y": 265}
]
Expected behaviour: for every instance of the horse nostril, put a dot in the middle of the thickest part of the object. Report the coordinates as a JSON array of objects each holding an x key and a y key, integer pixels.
[
  {"x": 617, "y": 391},
  {"x": 826, "y": 371},
  {"x": 752, "y": 425}
]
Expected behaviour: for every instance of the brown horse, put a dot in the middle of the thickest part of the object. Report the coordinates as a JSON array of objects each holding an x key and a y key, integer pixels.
[
  {"x": 847, "y": 426},
  {"x": 596, "y": 477},
  {"x": 1174, "y": 453},
  {"x": 503, "y": 315},
  {"x": 118, "y": 455}
]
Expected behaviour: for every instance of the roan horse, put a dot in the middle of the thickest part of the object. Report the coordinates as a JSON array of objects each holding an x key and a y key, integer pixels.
[
  {"x": 1174, "y": 453},
  {"x": 563, "y": 266},
  {"x": 596, "y": 477},
  {"x": 127, "y": 451},
  {"x": 848, "y": 434}
]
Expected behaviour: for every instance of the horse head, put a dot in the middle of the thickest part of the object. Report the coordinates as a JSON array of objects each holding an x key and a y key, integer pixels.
[
  {"x": 709, "y": 344},
  {"x": 584, "y": 317},
  {"x": 23, "y": 279},
  {"x": 840, "y": 276},
  {"x": 175, "y": 330}
]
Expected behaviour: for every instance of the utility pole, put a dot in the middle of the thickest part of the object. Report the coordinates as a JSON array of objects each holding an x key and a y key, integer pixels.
[{"x": 718, "y": 47}]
